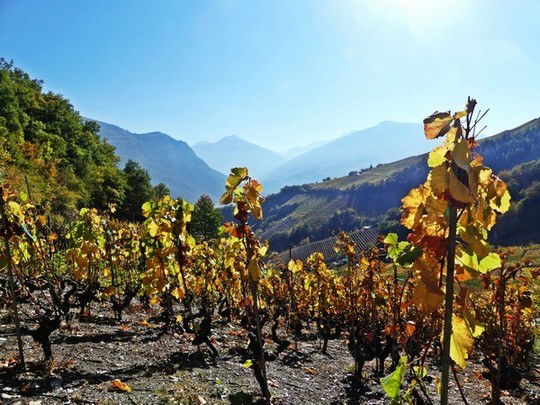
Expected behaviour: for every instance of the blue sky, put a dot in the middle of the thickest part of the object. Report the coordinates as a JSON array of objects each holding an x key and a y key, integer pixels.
[{"x": 279, "y": 73}]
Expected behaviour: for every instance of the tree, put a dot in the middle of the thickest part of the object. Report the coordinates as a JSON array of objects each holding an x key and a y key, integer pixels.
[
  {"x": 206, "y": 219},
  {"x": 160, "y": 190},
  {"x": 50, "y": 151},
  {"x": 138, "y": 190}
]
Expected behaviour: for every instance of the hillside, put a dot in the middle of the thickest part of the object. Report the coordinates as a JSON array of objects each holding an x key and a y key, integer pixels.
[
  {"x": 299, "y": 150},
  {"x": 522, "y": 223},
  {"x": 298, "y": 214},
  {"x": 383, "y": 143},
  {"x": 233, "y": 151},
  {"x": 50, "y": 152},
  {"x": 167, "y": 160}
]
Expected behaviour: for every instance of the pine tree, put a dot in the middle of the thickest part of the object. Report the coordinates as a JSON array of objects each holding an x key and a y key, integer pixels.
[
  {"x": 205, "y": 219},
  {"x": 138, "y": 190}
]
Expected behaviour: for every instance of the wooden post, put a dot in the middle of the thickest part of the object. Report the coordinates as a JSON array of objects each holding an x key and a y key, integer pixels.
[{"x": 448, "y": 301}]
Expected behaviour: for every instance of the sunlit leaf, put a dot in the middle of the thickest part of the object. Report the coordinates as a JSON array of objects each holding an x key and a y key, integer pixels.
[
  {"x": 117, "y": 385},
  {"x": 437, "y": 124},
  {"x": 458, "y": 190},
  {"x": 391, "y": 383},
  {"x": 461, "y": 342}
]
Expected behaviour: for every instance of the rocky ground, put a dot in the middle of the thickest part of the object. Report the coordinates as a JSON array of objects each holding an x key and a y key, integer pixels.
[{"x": 168, "y": 369}]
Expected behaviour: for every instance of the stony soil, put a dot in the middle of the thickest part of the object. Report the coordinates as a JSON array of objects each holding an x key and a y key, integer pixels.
[{"x": 168, "y": 369}]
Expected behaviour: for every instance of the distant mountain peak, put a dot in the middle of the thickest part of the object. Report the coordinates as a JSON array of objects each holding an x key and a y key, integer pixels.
[
  {"x": 390, "y": 123},
  {"x": 232, "y": 137},
  {"x": 382, "y": 143},
  {"x": 234, "y": 151}
]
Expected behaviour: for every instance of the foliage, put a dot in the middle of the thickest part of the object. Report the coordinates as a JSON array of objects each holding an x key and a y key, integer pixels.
[
  {"x": 521, "y": 224},
  {"x": 138, "y": 191},
  {"x": 206, "y": 220},
  {"x": 42, "y": 137},
  {"x": 160, "y": 190}
]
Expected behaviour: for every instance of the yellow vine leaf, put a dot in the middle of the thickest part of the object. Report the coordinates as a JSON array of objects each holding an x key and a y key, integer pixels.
[
  {"x": 238, "y": 174},
  {"x": 413, "y": 206},
  {"x": 146, "y": 209},
  {"x": 117, "y": 385},
  {"x": 437, "y": 156},
  {"x": 153, "y": 228},
  {"x": 437, "y": 124},
  {"x": 469, "y": 259},
  {"x": 426, "y": 294},
  {"x": 461, "y": 341},
  {"x": 460, "y": 114},
  {"x": 501, "y": 204},
  {"x": 474, "y": 240},
  {"x": 439, "y": 179},
  {"x": 295, "y": 266},
  {"x": 461, "y": 154},
  {"x": 254, "y": 269},
  {"x": 178, "y": 293},
  {"x": 458, "y": 190}
]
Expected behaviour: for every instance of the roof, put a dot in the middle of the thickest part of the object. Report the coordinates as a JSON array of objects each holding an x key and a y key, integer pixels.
[{"x": 364, "y": 239}]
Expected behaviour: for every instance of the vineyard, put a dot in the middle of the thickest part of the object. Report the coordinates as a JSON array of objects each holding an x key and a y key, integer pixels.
[{"x": 425, "y": 320}]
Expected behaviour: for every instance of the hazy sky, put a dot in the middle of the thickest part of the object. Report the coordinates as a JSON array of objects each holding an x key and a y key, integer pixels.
[{"x": 279, "y": 73}]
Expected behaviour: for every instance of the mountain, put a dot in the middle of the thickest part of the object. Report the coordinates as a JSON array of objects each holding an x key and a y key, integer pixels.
[
  {"x": 168, "y": 160},
  {"x": 386, "y": 142},
  {"x": 370, "y": 197},
  {"x": 298, "y": 150},
  {"x": 233, "y": 151},
  {"x": 522, "y": 223}
]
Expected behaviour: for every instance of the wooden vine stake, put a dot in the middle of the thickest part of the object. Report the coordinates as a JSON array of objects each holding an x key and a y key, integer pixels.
[{"x": 451, "y": 260}]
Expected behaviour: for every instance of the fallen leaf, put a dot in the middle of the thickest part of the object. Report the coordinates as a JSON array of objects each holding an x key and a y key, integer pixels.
[{"x": 117, "y": 385}]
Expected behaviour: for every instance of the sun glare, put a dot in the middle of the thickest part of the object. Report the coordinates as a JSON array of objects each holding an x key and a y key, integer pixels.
[{"x": 417, "y": 14}]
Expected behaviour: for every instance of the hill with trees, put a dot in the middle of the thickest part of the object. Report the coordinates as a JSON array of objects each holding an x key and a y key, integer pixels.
[
  {"x": 47, "y": 149},
  {"x": 59, "y": 158}
]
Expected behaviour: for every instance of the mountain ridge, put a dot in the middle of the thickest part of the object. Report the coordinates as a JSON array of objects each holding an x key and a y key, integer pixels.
[
  {"x": 232, "y": 151},
  {"x": 168, "y": 160},
  {"x": 351, "y": 152}
]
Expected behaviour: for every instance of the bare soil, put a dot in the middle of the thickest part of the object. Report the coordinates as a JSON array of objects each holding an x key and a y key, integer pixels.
[{"x": 164, "y": 369}]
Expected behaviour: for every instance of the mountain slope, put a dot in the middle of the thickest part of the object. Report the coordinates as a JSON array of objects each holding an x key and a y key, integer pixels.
[
  {"x": 383, "y": 143},
  {"x": 522, "y": 223},
  {"x": 167, "y": 160},
  {"x": 319, "y": 209},
  {"x": 233, "y": 151},
  {"x": 299, "y": 150}
]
